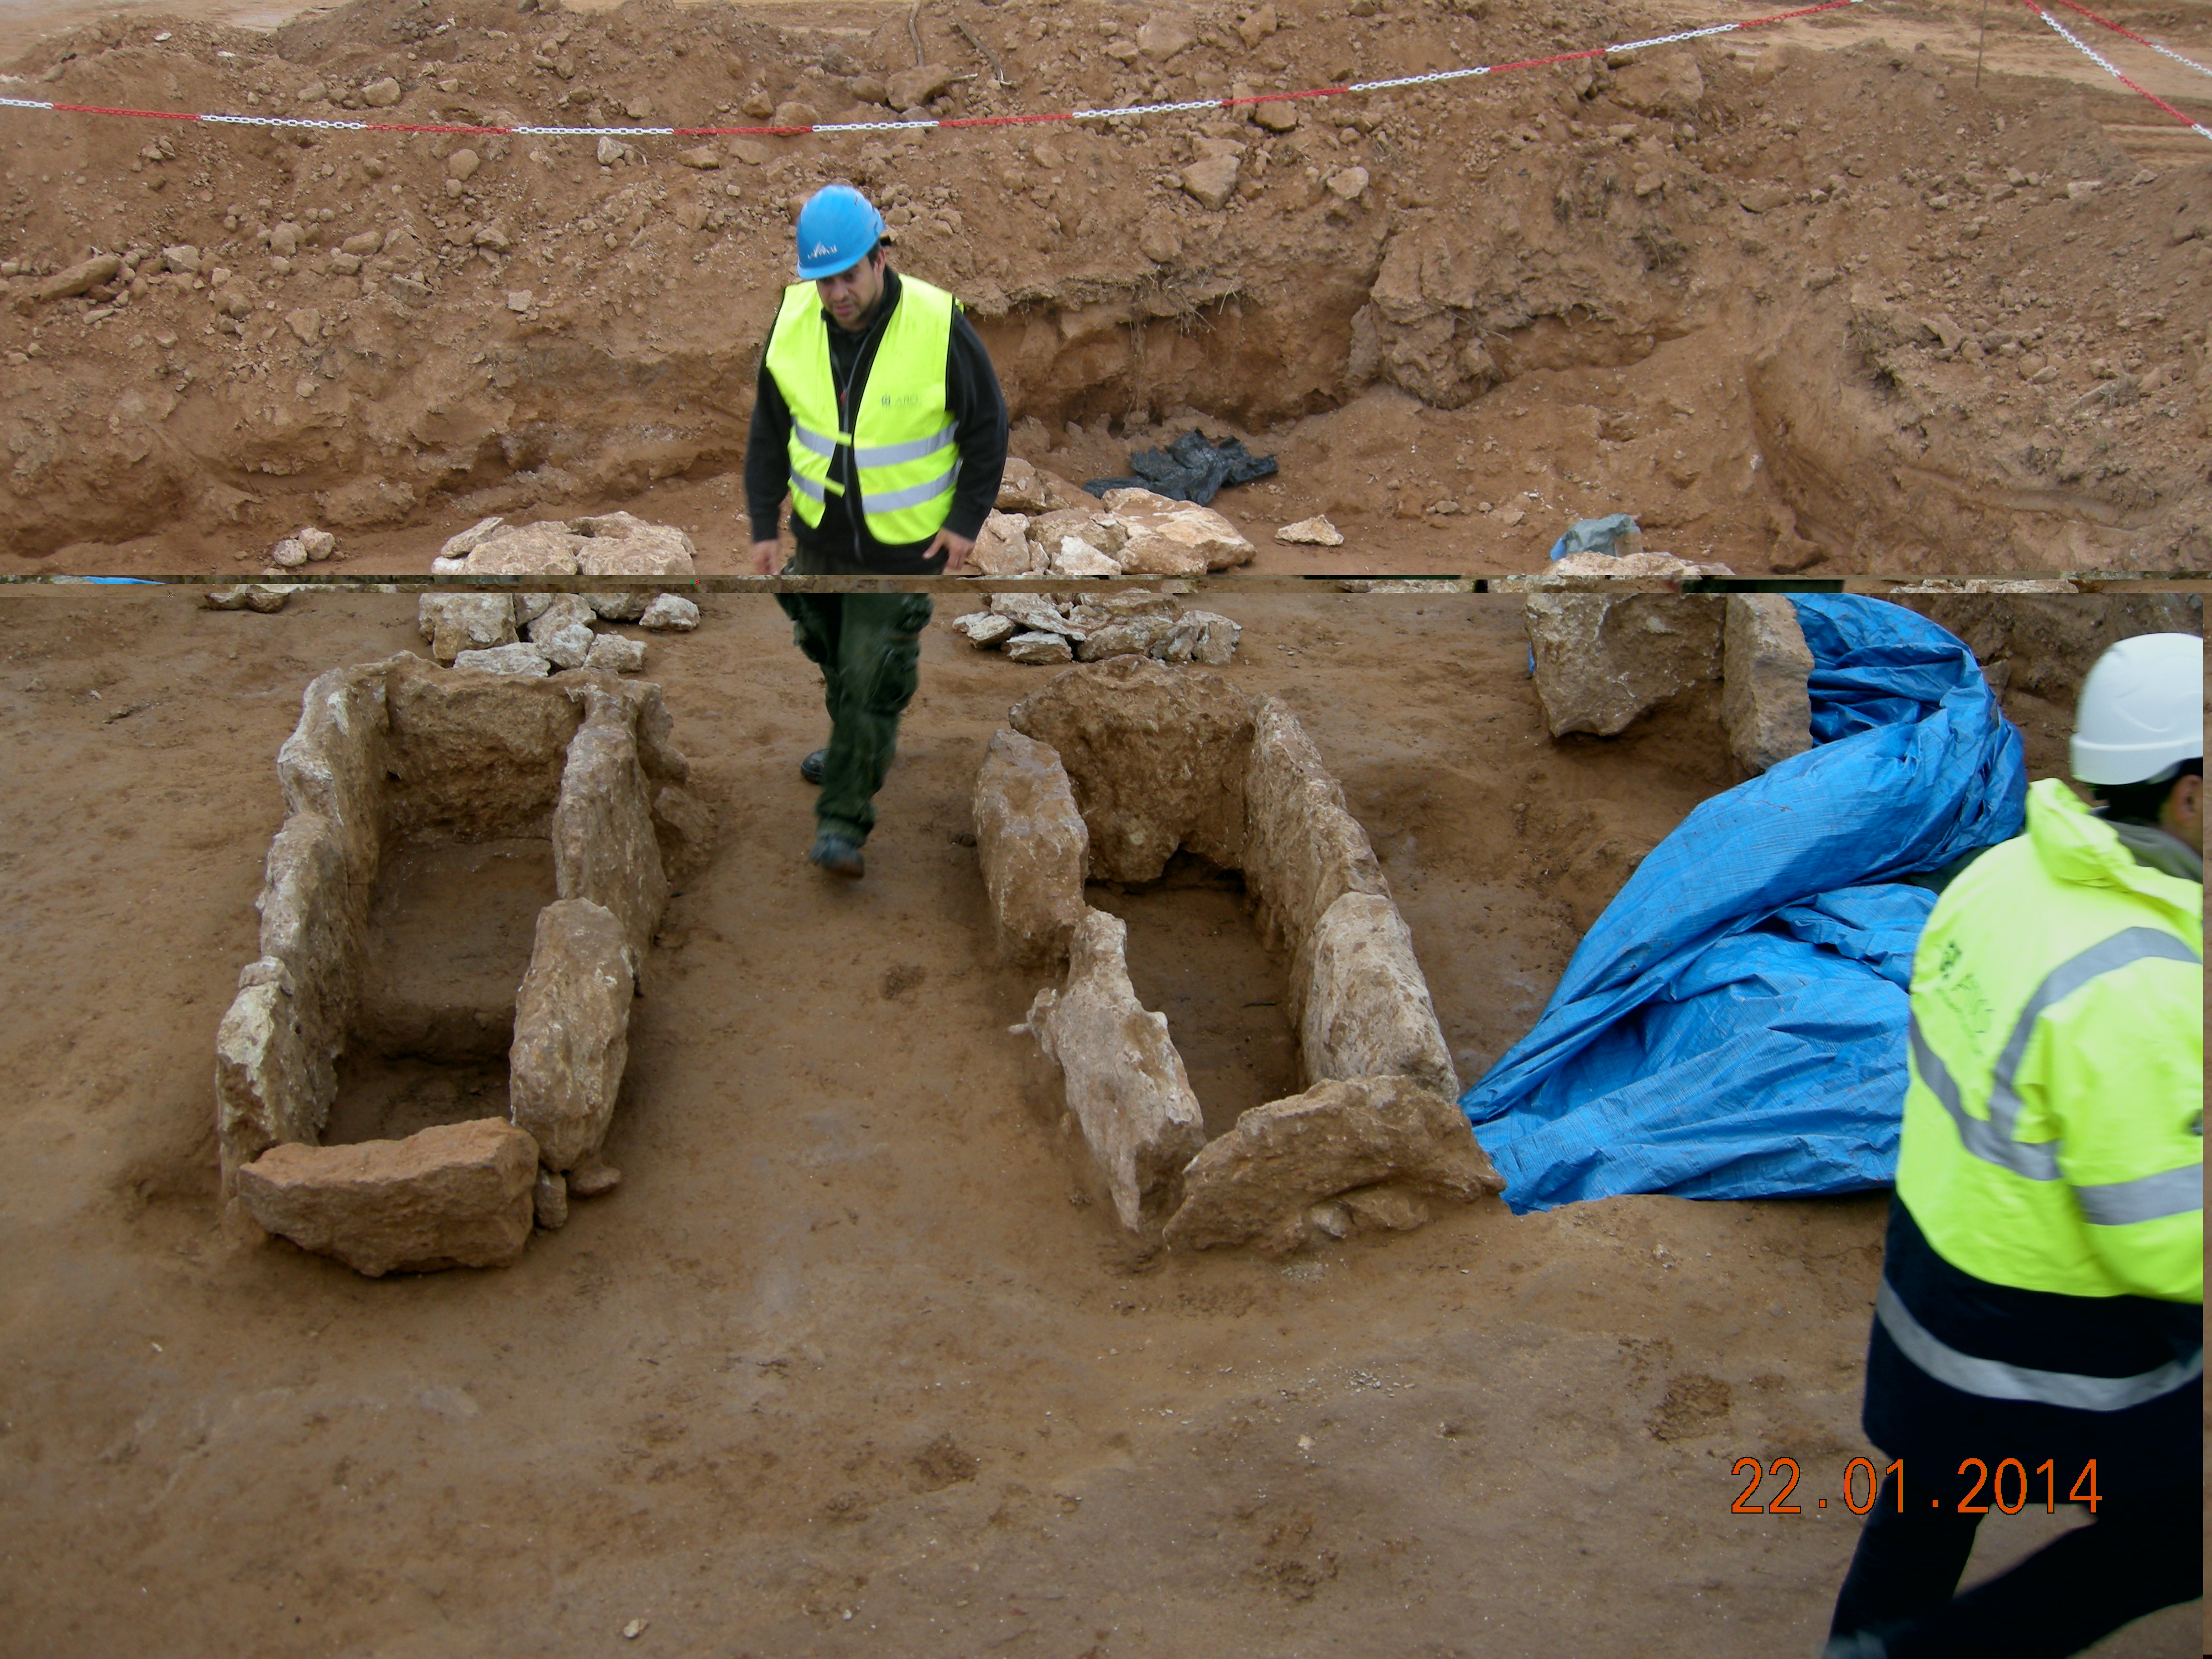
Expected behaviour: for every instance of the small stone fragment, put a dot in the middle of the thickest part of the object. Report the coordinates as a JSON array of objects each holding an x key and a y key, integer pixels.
[
  {"x": 1311, "y": 532},
  {"x": 519, "y": 300},
  {"x": 1021, "y": 490},
  {"x": 1211, "y": 181},
  {"x": 1077, "y": 557},
  {"x": 246, "y": 597},
  {"x": 671, "y": 612},
  {"x": 454, "y": 622},
  {"x": 985, "y": 628},
  {"x": 1142, "y": 635},
  {"x": 1348, "y": 184},
  {"x": 911, "y": 88},
  {"x": 612, "y": 653},
  {"x": 1039, "y": 649},
  {"x": 319, "y": 544},
  {"x": 549, "y": 1200},
  {"x": 619, "y": 607},
  {"x": 567, "y": 647},
  {"x": 381, "y": 94},
  {"x": 460, "y": 546},
  {"x": 592, "y": 1178},
  {"x": 462, "y": 164}
]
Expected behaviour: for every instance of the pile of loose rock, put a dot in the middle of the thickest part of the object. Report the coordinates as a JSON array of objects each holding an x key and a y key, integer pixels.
[
  {"x": 1044, "y": 526},
  {"x": 535, "y": 634},
  {"x": 306, "y": 545},
  {"x": 1058, "y": 628},
  {"x": 609, "y": 545}
]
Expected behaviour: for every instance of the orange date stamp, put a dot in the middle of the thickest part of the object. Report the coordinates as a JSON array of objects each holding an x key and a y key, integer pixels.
[{"x": 2011, "y": 1479}]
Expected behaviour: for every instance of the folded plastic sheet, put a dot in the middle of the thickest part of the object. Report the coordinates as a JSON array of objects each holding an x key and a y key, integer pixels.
[{"x": 1734, "y": 1025}]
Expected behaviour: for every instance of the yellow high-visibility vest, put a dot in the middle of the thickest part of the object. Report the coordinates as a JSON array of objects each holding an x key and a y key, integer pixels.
[
  {"x": 902, "y": 436},
  {"x": 2054, "y": 1126}
]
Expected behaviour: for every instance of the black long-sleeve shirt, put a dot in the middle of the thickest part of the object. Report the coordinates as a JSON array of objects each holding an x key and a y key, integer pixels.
[{"x": 840, "y": 544}]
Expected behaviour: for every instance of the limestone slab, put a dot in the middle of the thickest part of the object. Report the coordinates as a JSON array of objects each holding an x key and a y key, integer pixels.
[
  {"x": 1766, "y": 707},
  {"x": 1264, "y": 1179},
  {"x": 456, "y": 1196},
  {"x": 571, "y": 1031},
  {"x": 1156, "y": 756},
  {"x": 1126, "y": 1084},
  {"x": 454, "y": 622},
  {"x": 1602, "y": 660},
  {"x": 604, "y": 845},
  {"x": 1033, "y": 847},
  {"x": 1365, "y": 1010}
]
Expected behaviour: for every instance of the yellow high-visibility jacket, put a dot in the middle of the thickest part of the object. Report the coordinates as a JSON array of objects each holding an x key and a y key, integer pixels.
[
  {"x": 901, "y": 435},
  {"x": 2053, "y": 1133}
]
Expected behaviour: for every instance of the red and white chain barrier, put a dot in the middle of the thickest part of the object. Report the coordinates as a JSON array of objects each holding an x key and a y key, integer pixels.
[
  {"x": 2110, "y": 69},
  {"x": 1187, "y": 106}
]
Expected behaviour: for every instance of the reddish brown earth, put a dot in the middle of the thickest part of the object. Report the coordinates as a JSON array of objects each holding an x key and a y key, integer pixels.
[
  {"x": 1773, "y": 291},
  {"x": 854, "y": 1361}
]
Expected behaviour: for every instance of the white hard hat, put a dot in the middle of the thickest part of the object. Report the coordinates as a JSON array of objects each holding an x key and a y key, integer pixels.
[{"x": 2142, "y": 712}]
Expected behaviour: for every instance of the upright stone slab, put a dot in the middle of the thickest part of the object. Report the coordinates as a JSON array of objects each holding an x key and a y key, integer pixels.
[
  {"x": 1603, "y": 659},
  {"x": 605, "y": 848},
  {"x": 1033, "y": 848},
  {"x": 1126, "y": 1082},
  {"x": 571, "y": 1032},
  {"x": 1365, "y": 1011},
  {"x": 457, "y": 1195},
  {"x": 1303, "y": 850},
  {"x": 475, "y": 756},
  {"x": 1765, "y": 707},
  {"x": 333, "y": 764},
  {"x": 1375, "y": 1140},
  {"x": 265, "y": 1085},
  {"x": 1155, "y": 757}
]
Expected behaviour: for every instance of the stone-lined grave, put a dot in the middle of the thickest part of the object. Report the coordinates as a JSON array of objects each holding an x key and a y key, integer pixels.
[
  {"x": 403, "y": 769},
  {"x": 1104, "y": 775}
]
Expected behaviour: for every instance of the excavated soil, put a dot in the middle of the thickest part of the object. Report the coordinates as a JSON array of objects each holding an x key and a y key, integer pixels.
[
  {"x": 853, "y": 1361},
  {"x": 1804, "y": 298}
]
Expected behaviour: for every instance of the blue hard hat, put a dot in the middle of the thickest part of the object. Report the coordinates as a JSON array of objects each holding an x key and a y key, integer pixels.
[{"x": 836, "y": 228}]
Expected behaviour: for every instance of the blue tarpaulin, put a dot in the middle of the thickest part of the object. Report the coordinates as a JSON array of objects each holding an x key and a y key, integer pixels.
[{"x": 1734, "y": 1026}]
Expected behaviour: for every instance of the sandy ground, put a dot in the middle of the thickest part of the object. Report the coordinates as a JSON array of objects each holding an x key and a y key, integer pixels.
[{"x": 855, "y": 1361}]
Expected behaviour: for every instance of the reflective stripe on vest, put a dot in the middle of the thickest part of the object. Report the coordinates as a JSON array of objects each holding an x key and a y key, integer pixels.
[
  {"x": 1993, "y": 1379},
  {"x": 903, "y": 439}
]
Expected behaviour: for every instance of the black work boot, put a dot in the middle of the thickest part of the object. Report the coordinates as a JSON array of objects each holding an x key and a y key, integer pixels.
[
  {"x": 811, "y": 767},
  {"x": 838, "y": 856}
]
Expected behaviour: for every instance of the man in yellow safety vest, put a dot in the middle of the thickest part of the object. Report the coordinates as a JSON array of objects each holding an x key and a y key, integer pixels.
[
  {"x": 879, "y": 415},
  {"x": 2039, "y": 1329}
]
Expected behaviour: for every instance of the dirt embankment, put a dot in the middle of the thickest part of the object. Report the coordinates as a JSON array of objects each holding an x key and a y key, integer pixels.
[{"x": 1798, "y": 304}]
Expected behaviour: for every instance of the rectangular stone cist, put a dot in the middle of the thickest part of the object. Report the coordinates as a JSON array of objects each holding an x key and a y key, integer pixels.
[
  {"x": 1110, "y": 770},
  {"x": 401, "y": 756}
]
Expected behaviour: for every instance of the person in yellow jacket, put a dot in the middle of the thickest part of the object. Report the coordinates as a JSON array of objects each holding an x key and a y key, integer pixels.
[
  {"x": 876, "y": 413},
  {"x": 2039, "y": 1329}
]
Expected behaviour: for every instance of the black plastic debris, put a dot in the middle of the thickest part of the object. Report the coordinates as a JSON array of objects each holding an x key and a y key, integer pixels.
[{"x": 1191, "y": 468}]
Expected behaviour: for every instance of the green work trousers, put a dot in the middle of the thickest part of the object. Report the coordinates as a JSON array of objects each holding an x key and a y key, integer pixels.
[{"x": 867, "y": 645}]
